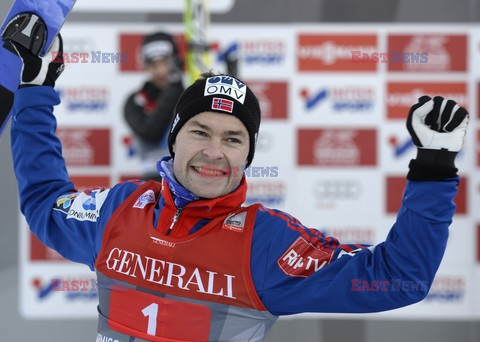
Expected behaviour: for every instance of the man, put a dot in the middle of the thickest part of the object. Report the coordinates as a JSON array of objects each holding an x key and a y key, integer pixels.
[
  {"x": 182, "y": 260},
  {"x": 148, "y": 111}
]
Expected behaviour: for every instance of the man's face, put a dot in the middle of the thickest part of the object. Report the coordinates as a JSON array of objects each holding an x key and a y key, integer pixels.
[
  {"x": 211, "y": 151},
  {"x": 159, "y": 70}
]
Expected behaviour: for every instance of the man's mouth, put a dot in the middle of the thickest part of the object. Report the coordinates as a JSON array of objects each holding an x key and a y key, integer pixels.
[{"x": 211, "y": 171}]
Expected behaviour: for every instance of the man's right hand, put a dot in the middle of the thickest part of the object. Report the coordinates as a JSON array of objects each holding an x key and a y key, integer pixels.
[{"x": 38, "y": 70}]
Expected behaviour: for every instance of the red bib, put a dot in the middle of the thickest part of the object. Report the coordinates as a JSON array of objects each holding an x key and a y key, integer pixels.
[{"x": 211, "y": 265}]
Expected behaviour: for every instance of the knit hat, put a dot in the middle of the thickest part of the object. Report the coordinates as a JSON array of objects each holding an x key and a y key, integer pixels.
[
  {"x": 220, "y": 94},
  {"x": 158, "y": 45}
]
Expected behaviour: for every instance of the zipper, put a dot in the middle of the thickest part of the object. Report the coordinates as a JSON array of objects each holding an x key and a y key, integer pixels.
[{"x": 174, "y": 220}]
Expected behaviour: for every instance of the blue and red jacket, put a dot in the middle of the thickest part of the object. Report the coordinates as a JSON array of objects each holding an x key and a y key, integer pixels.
[{"x": 294, "y": 268}]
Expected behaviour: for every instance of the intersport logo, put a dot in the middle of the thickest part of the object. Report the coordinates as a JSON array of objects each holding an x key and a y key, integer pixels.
[
  {"x": 85, "y": 98},
  {"x": 317, "y": 52},
  {"x": 340, "y": 98},
  {"x": 351, "y": 234},
  {"x": 445, "y": 52},
  {"x": 447, "y": 288},
  {"x": 269, "y": 193},
  {"x": 337, "y": 147},
  {"x": 402, "y": 95},
  {"x": 258, "y": 52}
]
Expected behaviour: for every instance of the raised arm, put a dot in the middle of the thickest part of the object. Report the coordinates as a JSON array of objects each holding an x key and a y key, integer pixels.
[
  {"x": 62, "y": 218},
  {"x": 296, "y": 269}
]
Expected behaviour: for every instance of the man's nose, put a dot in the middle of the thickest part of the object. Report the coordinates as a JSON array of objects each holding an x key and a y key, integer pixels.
[{"x": 213, "y": 149}]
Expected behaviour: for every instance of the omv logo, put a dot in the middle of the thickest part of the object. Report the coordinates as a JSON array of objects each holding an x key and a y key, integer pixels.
[{"x": 311, "y": 100}]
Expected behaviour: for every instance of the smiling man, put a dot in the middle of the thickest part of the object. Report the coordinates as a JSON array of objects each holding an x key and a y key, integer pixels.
[
  {"x": 209, "y": 147},
  {"x": 213, "y": 135},
  {"x": 183, "y": 260}
]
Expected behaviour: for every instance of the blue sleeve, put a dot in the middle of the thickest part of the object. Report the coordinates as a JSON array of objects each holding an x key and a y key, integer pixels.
[
  {"x": 295, "y": 269},
  {"x": 65, "y": 220}
]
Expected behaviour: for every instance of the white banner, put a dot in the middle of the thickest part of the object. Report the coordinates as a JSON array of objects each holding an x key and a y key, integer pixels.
[
  {"x": 333, "y": 149},
  {"x": 147, "y": 6}
]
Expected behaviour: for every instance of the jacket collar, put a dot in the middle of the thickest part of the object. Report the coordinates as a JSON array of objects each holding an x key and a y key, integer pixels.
[{"x": 210, "y": 208}]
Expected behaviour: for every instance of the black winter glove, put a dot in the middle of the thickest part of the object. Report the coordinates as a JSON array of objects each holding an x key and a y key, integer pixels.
[
  {"x": 438, "y": 129},
  {"x": 38, "y": 70}
]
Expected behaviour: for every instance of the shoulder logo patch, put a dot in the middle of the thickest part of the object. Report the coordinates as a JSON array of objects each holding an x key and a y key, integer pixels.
[
  {"x": 86, "y": 206},
  {"x": 235, "y": 222},
  {"x": 147, "y": 197},
  {"x": 303, "y": 259},
  {"x": 63, "y": 203}
]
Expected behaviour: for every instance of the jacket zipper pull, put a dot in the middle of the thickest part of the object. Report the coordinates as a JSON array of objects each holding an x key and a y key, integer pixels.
[{"x": 174, "y": 220}]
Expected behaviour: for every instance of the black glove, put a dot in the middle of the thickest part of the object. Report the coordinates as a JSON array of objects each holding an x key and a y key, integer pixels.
[
  {"x": 438, "y": 129},
  {"x": 38, "y": 70}
]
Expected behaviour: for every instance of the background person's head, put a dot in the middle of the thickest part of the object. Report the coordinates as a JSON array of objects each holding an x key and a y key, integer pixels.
[
  {"x": 213, "y": 134},
  {"x": 161, "y": 58}
]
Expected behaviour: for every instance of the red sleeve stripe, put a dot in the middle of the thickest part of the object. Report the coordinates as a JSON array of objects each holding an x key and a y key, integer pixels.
[
  {"x": 351, "y": 247},
  {"x": 318, "y": 241}
]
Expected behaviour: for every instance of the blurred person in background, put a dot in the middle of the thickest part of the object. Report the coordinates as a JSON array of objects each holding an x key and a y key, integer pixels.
[{"x": 149, "y": 110}]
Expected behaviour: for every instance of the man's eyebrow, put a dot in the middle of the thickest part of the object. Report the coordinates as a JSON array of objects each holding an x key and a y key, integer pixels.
[
  {"x": 227, "y": 133},
  {"x": 239, "y": 133},
  {"x": 202, "y": 126}
]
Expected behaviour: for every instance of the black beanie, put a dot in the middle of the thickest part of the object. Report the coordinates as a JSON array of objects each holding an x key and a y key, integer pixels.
[{"x": 220, "y": 94}]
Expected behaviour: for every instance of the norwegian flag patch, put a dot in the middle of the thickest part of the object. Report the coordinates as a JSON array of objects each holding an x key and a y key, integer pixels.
[{"x": 222, "y": 104}]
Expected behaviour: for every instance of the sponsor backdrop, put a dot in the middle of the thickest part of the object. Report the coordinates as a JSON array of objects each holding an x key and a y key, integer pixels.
[{"x": 333, "y": 149}]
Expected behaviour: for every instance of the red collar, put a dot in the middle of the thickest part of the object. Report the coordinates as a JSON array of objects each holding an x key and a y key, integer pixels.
[{"x": 210, "y": 208}]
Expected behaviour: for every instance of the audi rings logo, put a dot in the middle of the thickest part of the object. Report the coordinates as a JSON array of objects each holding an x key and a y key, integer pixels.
[{"x": 337, "y": 189}]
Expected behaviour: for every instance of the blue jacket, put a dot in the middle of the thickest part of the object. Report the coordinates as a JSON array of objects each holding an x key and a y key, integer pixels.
[{"x": 354, "y": 278}]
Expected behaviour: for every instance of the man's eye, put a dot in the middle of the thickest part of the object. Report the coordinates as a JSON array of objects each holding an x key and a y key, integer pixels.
[
  {"x": 200, "y": 133},
  {"x": 234, "y": 141}
]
